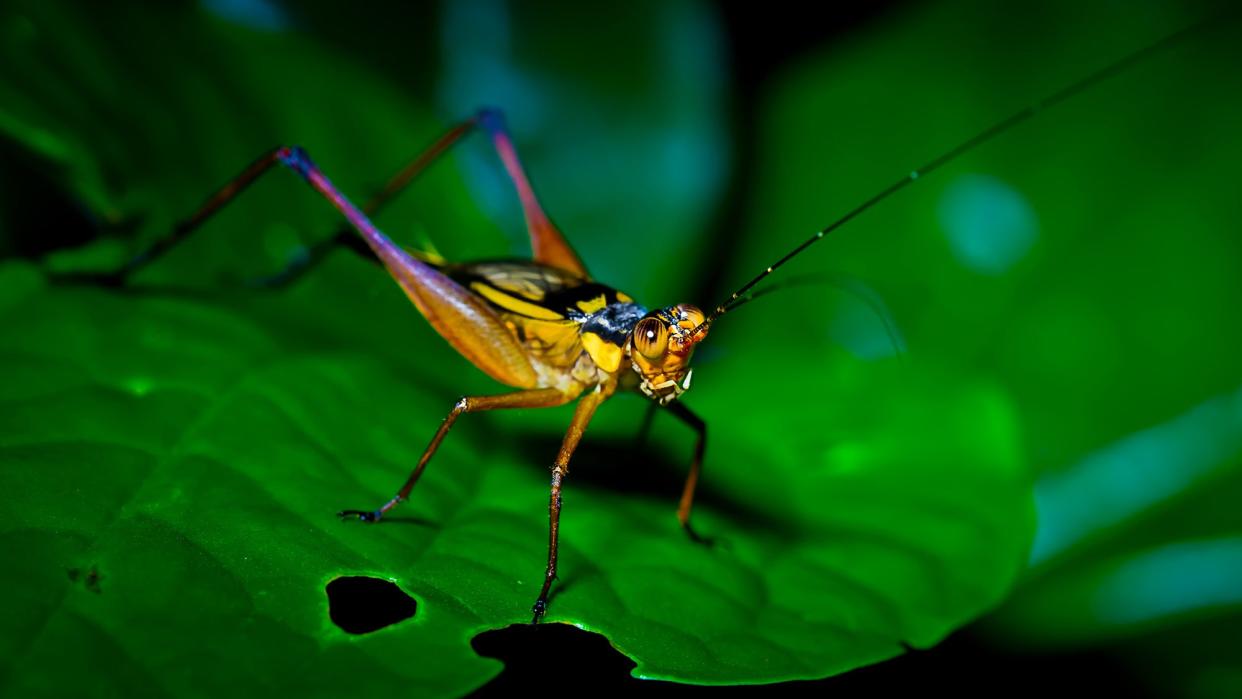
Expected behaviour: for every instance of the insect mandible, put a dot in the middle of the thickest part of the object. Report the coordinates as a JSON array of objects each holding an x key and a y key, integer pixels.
[{"x": 545, "y": 327}]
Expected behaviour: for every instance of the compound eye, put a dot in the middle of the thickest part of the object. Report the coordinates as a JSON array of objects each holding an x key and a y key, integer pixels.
[
  {"x": 651, "y": 338},
  {"x": 691, "y": 317}
]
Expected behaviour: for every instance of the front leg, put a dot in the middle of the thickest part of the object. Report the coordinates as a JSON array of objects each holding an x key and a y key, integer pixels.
[
  {"x": 696, "y": 465},
  {"x": 560, "y": 469}
]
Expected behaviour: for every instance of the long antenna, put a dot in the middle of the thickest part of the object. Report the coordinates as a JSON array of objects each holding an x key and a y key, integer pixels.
[{"x": 966, "y": 146}]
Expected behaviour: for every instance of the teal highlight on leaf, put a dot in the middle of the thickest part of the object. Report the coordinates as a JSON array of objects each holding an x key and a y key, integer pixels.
[
  {"x": 863, "y": 333},
  {"x": 1136, "y": 472},
  {"x": 989, "y": 224},
  {"x": 255, "y": 14},
  {"x": 1174, "y": 579},
  {"x": 862, "y": 322}
]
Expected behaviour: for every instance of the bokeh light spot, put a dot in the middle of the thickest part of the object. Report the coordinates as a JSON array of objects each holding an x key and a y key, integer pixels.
[
  {"x": 990, "y": 226},
  {"x": 139, "y": 385}
]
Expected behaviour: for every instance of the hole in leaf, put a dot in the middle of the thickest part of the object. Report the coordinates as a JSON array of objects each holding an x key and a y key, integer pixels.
[
  {"x": 580, "y": 658},
  {"x": 90, "y": 578},
  {"x": 970, "y": 664},
  {"x": 360, "y": 604}
]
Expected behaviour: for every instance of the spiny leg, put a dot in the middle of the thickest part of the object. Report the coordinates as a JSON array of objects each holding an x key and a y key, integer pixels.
[
  {"x": 218, "y": 200},
  {"x": 644, "y": 427},
  {"x": 344, "y": 237},
  {"x": 536, "y": 398},
  {"x": 234, "y": 187},
  {"x": 696, "y": 465},
  {"x": 560, "y": 468},
  {"x": 548, "y": 246}
]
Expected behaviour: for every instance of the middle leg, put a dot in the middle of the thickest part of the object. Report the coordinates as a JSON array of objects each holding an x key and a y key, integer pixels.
[{"x": 535, "y": 398}]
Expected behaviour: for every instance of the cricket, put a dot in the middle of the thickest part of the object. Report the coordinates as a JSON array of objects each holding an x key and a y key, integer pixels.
[{"x": 544, "y": 327}]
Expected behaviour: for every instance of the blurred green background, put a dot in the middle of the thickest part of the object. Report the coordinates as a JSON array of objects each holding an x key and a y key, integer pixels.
[{"x": 1006, "y": 401}]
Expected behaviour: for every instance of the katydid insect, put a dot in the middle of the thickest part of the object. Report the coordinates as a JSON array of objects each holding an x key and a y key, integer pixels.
[{"x": 545, "y": 327}]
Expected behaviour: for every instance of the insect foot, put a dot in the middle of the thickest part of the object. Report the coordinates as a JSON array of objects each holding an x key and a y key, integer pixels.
[
  {"x": 362, "y": 515},
  {"x": 540, "y": 608}
]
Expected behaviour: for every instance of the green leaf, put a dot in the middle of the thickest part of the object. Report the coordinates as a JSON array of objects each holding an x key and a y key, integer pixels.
[{"x": 193, "y": 452}]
